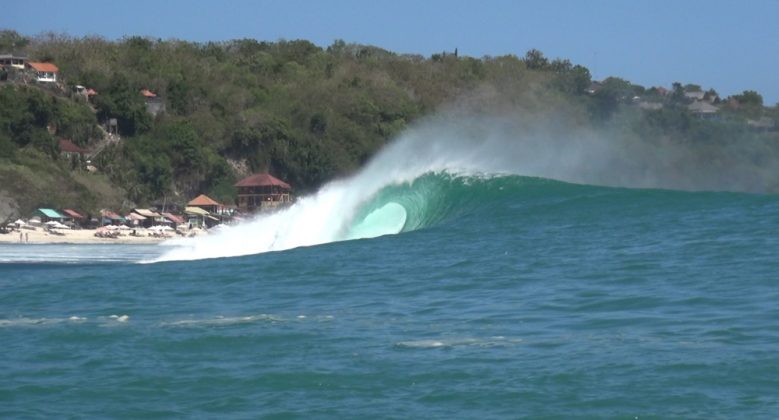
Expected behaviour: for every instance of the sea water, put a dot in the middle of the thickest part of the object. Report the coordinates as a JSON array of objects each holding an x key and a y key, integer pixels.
[
  {"x": 439, "y": 282},
  {"x": 511, "y": 297}
]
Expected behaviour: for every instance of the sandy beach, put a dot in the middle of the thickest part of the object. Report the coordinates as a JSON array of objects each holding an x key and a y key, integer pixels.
[{"x": 80, "y": 236}]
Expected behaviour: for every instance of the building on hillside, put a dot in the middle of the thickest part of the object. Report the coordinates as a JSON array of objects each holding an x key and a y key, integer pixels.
[
  {"x": 13, "y": 61},
  {"x": 594, "y": 87},
  {"x": 69, "y": 149},
  {"x": 44, "y": 72},
  {"x": 762, "y": 124},
  {"x": 696, "y": 95},
  {"x": 703, "y": 109},
  {"x": 154, "y": 104},
  {"x": 84, "y": 92},
  {"x": 650, "y": 106},
  {"x": 262, "y": 192}
]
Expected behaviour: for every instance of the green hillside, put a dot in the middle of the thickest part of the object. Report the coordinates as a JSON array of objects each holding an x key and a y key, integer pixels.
[{"x": 307, "y": 114}]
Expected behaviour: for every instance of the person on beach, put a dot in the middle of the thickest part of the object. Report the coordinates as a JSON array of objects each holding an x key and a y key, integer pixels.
[
  {"x": 21, "y": 237},
  {"x": 26, "y": 237}
]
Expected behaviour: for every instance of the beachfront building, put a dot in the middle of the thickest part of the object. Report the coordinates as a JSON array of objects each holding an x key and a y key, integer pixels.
[
  {"x": 175, "y": 220},
  {"x": 206, "y": 203},
  {"x": 196, "y": 216},
  {"x": 135, "y": 220},
  {"x": 77, "y": 218},
  {"x": 44, "y": 72},
  {"x": 262, "y": 192},
  {"x": 48, "y": 215},
  {"x": 150, "y": 218},
  {"x": 107, "y": 217}
]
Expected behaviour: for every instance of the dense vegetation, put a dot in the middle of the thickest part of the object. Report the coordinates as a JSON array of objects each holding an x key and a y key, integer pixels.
[{"x": 305, "y": 113}]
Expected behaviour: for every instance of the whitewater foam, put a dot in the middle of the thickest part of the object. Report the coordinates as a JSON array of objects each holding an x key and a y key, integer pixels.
[
  {"x": 329, "y": 215},
  {"x": 544, "y": 148},
  {"x": 459, "y": 342}
]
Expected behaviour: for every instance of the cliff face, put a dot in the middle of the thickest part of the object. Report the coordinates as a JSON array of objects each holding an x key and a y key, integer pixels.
[{"x": 9, "y": 209}]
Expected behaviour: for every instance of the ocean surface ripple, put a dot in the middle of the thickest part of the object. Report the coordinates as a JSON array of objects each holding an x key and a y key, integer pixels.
[{"x": 501, "y": 297}]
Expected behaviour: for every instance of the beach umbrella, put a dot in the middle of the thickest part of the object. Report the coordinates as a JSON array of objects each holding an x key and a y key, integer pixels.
[{"x": 20, "y": 222}]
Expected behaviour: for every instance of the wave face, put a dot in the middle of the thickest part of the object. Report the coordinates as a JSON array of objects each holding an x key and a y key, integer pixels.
[{"x": 448, "y": 167}]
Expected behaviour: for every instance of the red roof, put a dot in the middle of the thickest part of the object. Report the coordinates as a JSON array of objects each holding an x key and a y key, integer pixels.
[
  {"x": 173, "y": 218},
  {"x": 134, "y": 216},
  {"x": 147, "y": 93},
  {"x": 262, "y": 180},
  {"x": 203, "y": 200},
  {"x": 110, "y": 215},
  {"x": 44, "y": 67},
  {"x": 69, "y": 147},
  {"x": 72, "y": 213}
]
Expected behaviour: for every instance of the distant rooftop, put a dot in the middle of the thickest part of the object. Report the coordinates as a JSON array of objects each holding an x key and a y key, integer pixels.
[
  {"x": 262, "y": 180},
  {"x": 47, "y": 67},
  {"x": 203, "y": 200},
  {"x": 68, "y": 146},
  {"x": 701, "y": 107}
]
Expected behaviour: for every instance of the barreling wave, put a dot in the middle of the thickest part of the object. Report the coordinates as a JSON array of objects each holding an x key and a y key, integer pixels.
[
  {"x": 440, "y": 171},
  {"x": 333, "y": 215}
]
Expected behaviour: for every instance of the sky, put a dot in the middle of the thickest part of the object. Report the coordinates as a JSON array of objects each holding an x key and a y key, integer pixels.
[{"x": 730, "y": 46}]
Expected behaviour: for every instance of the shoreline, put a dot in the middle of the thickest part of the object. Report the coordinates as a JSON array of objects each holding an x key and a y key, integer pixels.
[{"x": 78, "y": 237}]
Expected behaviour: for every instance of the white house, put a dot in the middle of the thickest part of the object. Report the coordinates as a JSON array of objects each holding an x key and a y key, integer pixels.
[
  {"x": 44, "y": 72},
  {"x": 11, "y": 60}
]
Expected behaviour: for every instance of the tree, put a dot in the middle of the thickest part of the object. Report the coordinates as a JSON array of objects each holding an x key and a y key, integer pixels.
[
  {"x": 711, "y": 95},
  {"x": 677, "y": 93},
  {"x": 11, "y": 41},
  {"x": 535, "y": 60},
  {"x": 749, "y": 98},
  {"x": 690, "y": 87}
]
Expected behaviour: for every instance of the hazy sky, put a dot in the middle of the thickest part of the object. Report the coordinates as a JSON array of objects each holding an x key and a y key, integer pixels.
[{"x": 730, "y": 46}]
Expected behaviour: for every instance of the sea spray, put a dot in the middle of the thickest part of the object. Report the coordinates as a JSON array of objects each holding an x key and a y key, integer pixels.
[
  {"x": 445, "y": 144},
  {"x": 460, "y": 146}
]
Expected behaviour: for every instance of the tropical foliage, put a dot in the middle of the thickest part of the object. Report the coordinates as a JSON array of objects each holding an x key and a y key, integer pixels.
[{"x": 305, "y": 113}]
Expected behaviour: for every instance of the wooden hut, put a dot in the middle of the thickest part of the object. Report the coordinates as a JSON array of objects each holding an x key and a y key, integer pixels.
[
  {"x": 262, "y": 192},
  {"x": 206, "y": 203}
]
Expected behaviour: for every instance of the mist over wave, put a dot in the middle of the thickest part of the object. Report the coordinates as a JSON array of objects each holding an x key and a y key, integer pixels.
[{"x": 471, "y": 147}]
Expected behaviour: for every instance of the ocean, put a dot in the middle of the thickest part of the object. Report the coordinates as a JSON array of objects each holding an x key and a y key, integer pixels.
[{"x": 439, "y": 292}]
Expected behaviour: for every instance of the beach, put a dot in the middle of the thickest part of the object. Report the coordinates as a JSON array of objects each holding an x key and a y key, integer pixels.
[{"x": 82, "y": 236}]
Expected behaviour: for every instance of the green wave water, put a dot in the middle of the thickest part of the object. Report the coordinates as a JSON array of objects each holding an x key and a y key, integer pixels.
[{"x": 494, "y": 296}]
